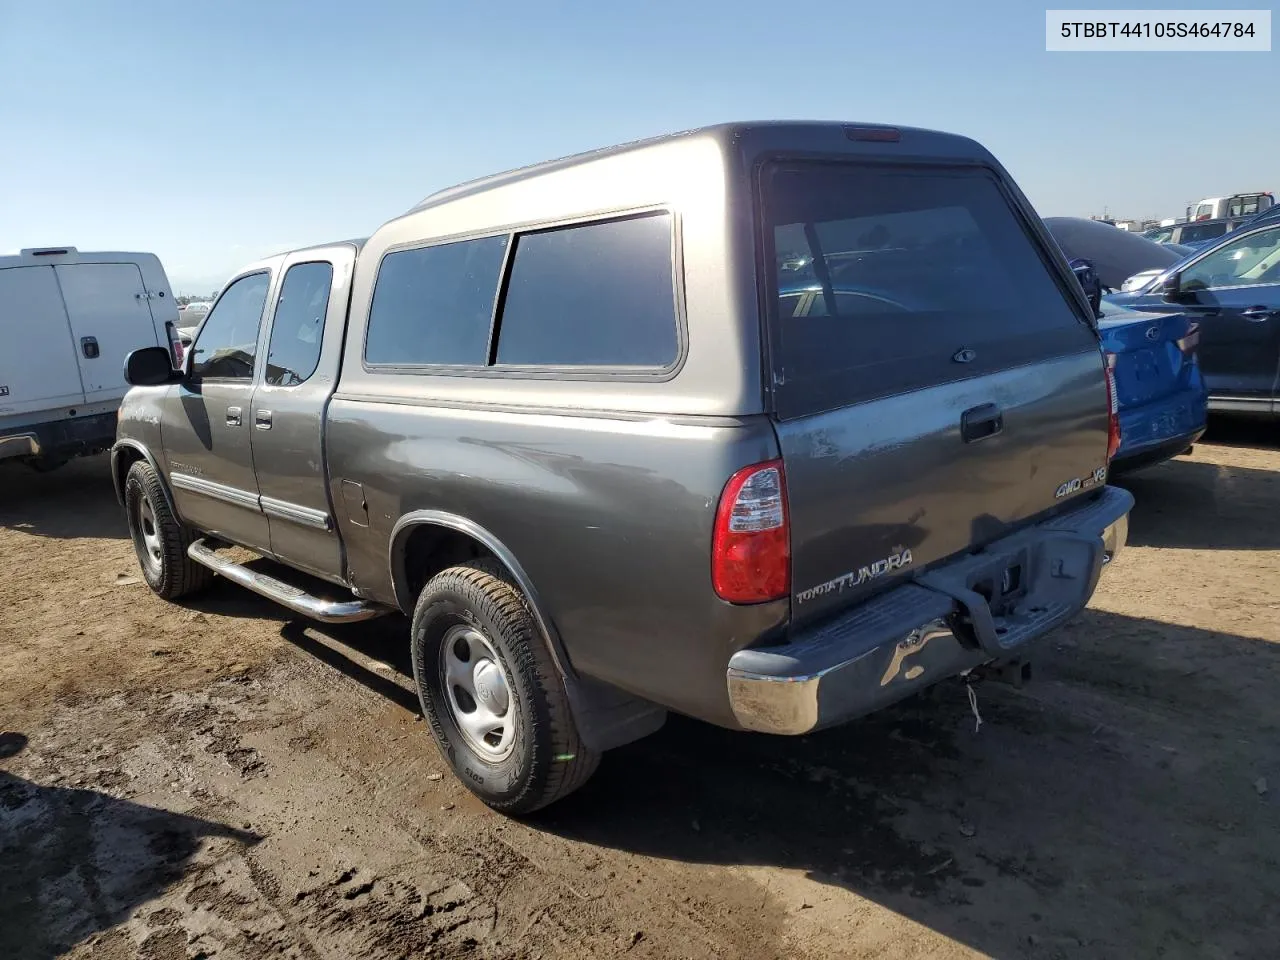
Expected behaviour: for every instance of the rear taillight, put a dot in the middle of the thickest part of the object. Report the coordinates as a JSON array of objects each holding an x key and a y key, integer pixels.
[
  {"x": 1191, "y": 341},
  {"x": 177, "y": 354},
  {"x": 751, "y": 544},
  {"x": 1113, "y": 420}
]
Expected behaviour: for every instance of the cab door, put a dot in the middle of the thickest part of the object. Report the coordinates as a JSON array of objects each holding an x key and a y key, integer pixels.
[
  {"x": 303, "y": 352},
  {"x": 208, "y": 425}
]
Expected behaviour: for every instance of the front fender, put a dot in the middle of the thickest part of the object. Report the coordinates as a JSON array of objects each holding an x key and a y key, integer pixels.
[{"x": 123, "y": 454}]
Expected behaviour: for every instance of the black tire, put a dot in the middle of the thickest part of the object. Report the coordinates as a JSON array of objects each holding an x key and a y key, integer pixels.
[
  {"x": 167, "y": 569},
  {"x": 547, "y": 759}
]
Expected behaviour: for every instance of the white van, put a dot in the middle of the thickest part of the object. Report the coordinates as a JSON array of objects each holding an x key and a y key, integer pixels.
[{"x": 67, "y": 321}]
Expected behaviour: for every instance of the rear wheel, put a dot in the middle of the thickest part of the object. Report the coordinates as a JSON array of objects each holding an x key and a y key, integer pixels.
[
  {"x": 487, "y": 684},
  {"x": 159, "y": 540}
]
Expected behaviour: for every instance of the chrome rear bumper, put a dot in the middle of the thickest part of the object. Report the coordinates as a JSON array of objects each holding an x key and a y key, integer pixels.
[{"x": 937, "y": 626}]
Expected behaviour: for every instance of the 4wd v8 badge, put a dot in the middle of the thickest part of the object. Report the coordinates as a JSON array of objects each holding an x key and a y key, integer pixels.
[{"x": 1076, "y": 484}]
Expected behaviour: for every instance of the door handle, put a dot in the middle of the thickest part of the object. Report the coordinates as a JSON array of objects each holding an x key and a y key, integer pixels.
[
  {"x": 89, "y": 347},
  {"x": 262, "y": 419},
  {"x": 233, "y": 416},
  {"x": 978, "y": 423},
  {"x": 1258, "y": 313}
]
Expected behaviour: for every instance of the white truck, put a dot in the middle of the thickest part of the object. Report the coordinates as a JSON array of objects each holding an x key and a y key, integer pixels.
[
  {"x": 68, "y": 320},
  {"x": 1233, "y": 207}
]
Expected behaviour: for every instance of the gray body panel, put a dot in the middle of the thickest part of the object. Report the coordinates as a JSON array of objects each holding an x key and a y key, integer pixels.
[
  {"x": 610, "y": 519},
  {"x": 599, "y": 488}
]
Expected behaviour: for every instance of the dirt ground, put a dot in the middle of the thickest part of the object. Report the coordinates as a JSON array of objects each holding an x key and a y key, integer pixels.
[{"x": 217, "y": 780}]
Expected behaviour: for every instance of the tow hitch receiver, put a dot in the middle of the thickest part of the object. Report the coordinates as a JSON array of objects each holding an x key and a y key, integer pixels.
[{"x": 1016, "y": 673}]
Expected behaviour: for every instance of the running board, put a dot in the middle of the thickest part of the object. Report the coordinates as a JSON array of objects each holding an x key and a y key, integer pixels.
[{"x": 285, "y": 594}]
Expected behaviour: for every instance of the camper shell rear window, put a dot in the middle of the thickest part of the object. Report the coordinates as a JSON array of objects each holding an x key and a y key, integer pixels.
[{"x": 881, "y": 279}]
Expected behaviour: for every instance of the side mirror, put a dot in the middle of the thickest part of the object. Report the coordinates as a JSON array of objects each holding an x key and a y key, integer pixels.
[
  {"x": 150, "y": 367},
  {"x": 1171, "y": 286}
]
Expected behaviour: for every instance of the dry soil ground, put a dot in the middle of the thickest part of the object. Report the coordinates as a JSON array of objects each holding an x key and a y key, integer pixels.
[{"x": 215, "y": 780}]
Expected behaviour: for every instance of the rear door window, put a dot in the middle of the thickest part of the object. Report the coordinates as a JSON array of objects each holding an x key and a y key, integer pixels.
[
  {"x": 592, "y": 295},
  {"x": 298, "y": 328},
  {"x": 889, "y": 279}
]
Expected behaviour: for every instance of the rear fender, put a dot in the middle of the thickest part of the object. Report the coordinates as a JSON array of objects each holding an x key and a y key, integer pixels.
[{"x": 605, "y": 716}]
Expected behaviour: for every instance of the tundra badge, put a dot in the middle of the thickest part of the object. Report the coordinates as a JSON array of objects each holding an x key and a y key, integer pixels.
[{"x": 901, "y": 557}]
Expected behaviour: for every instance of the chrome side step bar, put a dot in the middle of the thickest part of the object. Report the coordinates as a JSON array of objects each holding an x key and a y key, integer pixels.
[{"x": 285, "y": 594}]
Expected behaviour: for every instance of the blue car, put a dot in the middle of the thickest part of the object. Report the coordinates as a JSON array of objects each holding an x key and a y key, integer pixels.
[{"x": 1160, "y": 391}]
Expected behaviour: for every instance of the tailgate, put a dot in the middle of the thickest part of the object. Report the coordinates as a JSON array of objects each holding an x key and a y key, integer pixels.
[{"x": 934, "y": 385}]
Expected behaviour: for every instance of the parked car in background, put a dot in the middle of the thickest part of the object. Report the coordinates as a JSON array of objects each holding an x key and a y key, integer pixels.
[
  {"x": 68, "y": 319},
  {"x": 1115, "y": 254},
  {"x": 1160, "y": 390},
  {"x": 1160, "y": 393},
  {"x": 1232, "y": 291},
  {"x": 1144, "y": 277},
  {"x": 1194, "y": 234},
  {"x": 563, "y": 419},
  {"x": 190, "y": 314}
]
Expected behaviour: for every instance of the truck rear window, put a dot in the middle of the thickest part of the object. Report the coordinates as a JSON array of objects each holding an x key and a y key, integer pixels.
[{"x": 888, "y": 279}]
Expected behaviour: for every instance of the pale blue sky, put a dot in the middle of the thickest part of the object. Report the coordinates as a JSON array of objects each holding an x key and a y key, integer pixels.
[{"x": 213, "y": 133}]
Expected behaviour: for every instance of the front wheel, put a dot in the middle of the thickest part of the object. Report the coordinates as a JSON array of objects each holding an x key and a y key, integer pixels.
[
  {"x": 159, "y": 539},
  {"x": 487, "y": 684}
]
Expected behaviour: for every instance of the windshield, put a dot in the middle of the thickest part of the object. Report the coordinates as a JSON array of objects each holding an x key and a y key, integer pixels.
[{"x": 1160, "y": 235}]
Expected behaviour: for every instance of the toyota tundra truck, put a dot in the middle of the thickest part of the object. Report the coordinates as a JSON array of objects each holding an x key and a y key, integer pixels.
[{"x": 770, "y": 424}]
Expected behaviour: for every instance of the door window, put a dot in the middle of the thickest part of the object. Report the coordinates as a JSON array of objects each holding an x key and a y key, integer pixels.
[
  {"x": 1250, "y": 260},
  {"x": 227, "y": 345},
  {"x": 298, "y": 327}
]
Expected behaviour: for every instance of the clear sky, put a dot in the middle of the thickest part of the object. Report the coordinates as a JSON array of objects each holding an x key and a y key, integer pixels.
[{"x": 214, "y": 133}]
